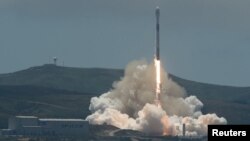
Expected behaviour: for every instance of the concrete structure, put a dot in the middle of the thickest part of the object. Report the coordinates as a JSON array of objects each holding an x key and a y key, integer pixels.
[
  {"x": 183, "y": 129},
  {"x": 34, "y": 126}
]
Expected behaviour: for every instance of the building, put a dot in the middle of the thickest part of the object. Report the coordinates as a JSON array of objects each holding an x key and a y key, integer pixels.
[{"x": 34, "y": 126}]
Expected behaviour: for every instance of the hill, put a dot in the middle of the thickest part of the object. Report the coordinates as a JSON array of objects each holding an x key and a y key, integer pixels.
[
  {"x": 55, "y": 91},
  {"x": 93, "y": 80}
]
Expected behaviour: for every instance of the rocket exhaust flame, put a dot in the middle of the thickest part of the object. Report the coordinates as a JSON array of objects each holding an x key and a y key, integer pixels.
[{"x": 158, "y": 82}]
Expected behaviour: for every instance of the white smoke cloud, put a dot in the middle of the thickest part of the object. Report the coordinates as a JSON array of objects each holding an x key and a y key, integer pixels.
[{"x": 130, "y": 105}]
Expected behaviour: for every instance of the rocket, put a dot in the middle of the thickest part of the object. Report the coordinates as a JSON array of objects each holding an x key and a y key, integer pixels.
[
  {"x": 157, "y": 59},
  {"x": 157, "y": 47}
]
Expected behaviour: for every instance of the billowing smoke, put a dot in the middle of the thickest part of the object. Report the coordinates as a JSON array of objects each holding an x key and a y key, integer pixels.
[{"x": 130, "y": 105}]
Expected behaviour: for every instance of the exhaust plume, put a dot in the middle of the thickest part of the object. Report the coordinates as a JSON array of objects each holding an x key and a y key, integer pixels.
[{"x": 131, "y": 105}]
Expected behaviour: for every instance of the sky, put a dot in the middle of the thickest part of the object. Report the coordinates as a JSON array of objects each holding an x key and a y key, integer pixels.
[{"x": 201, "y": 40}]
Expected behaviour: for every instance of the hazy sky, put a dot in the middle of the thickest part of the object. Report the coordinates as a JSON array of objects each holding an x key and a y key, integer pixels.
[{"x": 201, "y": 40}]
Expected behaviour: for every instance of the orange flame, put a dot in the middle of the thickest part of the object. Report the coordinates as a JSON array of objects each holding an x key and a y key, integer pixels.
[
  {"x": 165, "y": 122},
  {"x": 158, "y": 82}
]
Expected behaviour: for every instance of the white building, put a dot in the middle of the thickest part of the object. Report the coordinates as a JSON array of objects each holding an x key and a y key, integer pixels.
[{"x": 31, "y": 125}]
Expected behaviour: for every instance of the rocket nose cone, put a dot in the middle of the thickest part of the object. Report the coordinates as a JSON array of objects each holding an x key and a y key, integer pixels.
[{"x": 157, "y": 10}]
